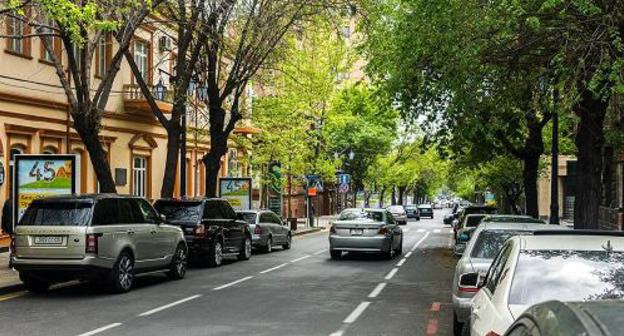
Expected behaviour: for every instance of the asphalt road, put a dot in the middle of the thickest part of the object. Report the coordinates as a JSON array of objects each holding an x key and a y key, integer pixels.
[{"x": 296, "y": 292}]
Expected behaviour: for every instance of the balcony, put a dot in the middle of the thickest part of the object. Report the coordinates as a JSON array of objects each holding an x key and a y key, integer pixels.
[{"x": 134, "y": 100}]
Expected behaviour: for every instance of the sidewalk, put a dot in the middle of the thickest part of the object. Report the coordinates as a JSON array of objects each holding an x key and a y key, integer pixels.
[
  {"x": 320, "y": 224},
  {"x": 9, "y": 279}
]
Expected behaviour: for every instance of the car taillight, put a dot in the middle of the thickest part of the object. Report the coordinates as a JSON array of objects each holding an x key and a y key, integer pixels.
[
  {"x": 492, "y": 333},
  {"x": 382, "y": 230},
  {"x": 332, "y": 229},
  {"x": 257, "y": 230},
  {"x": 469, "y": 289},
  {"x": 200, "y": 230},
  {"x": 91, "y": 244}
]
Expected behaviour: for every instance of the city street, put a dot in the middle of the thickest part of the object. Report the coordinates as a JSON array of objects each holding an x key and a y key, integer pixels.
[{"x": 296, "y": 292}]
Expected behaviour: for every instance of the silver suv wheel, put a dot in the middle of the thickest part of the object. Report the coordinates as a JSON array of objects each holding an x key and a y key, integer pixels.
[{"x": 122, "y": 274}]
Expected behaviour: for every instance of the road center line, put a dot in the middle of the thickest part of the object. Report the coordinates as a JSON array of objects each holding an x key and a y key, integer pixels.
[
  {"x": 357, "y": 312},
  {"x": 301, "y": 258},
  {"x": 391, "y": 273},
  {"x": 408, "y": 254},
  {"x": 233, "y": 283},
  {"x": 377, "y": 290},
  {"x": 420, "y": 241},
  {"x": 273, "y": 268},
  {"x": 99, "y": 330},
  {"x": 320, "y": 252},
  {"x": 167, "y": 306},
  {"x": 401, "y": 262}
]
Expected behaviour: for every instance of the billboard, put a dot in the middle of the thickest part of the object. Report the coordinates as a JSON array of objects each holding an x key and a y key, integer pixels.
[
  {"x": 38, "y": 176},
  {"x": 237, "y": 191}
]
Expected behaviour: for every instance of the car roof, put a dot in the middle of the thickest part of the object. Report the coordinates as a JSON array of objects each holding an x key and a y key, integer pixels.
[
  {"x": 570, "y": 242},
  {"x": 507, "y": 216},
  {"x": 520, "y": 226},
  {"x": 190, "y": 199},
  {"x": 602, "y": 317},
  {"x": 82, "y": 197},
  {"x": 373, "y": 210}
]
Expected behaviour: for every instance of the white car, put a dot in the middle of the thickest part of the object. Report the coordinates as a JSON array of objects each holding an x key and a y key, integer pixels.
[{"x": 565, "y": 266}]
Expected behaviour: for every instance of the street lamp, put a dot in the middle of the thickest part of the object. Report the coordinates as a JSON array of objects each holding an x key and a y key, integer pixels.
[
  {"x": 554, "y": 175},
  {"x": 160, "y": 90}
]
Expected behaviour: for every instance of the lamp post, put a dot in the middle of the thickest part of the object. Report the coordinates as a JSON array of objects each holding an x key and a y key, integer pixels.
[{"x": 554, "y": 175}]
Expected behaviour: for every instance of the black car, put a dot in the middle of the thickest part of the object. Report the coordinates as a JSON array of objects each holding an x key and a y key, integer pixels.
[
  {"x": 211, "y": 228},
  {"x": 412, "y": 211},
  {"x": 425, "y": 210},
  {"x": 594, "y": 318}
]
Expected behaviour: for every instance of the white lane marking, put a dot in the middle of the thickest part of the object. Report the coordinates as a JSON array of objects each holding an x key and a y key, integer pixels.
[
  {"x": 436, "y": 231},
  {"x": 356, "y": 312},
  {"x": 337, "y": 333},
  {"x": 421, "y": 230},
  {"x": 167, "y": 306},
  {"x": 299, "y": 259},
  {"x": 99, "y": 330},
  {"x": 420, "y": 241},
  {"x": 406, "y": 230},
  {"x": 451, "y": 231},
  {"x": 320, "y": 252},
  {"x": 273, "y": 268},
  {"x": 408, "y": 254},
  {"x": 391, "y": 273},
  {"x": 401, "y": 262},
  {"x": 233, "y": 283},
  {"x": 377, "y": 290}
]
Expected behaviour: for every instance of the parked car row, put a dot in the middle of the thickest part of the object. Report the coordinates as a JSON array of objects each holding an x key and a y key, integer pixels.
[
  {"x": 511, "y": 263},
  {"x": 108, "y": 239}
]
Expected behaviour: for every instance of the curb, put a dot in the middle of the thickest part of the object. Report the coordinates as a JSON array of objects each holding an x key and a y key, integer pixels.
[
  {"x": 306, "y": 231},
  {"x": 4, "y": 249},
  {"x": 11, "y": 289}
]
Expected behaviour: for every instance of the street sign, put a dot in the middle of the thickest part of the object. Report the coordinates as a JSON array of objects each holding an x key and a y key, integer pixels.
[
  {"x": 343, "y": 188},
  {"x": 314, "y": 182},
  {"x": 344, "y": 178}
]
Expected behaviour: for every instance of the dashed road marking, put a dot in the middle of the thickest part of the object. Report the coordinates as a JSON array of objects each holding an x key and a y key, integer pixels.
[
  {"x": 377, "y": 290},
  {"x": 273, "y": 268},
  {"x": 408, "y": 254},
  {"x": 421, "y": 230},
  {"x": 356, "y": 312},
  {"x": 233, "y": 283},
  {"x": 301, "y": 258},
  {"x": 435, "y": 307},
  {"x": 451, "y": 231},
  {"x": 391, "y": 274},
  {"x": 401, "y": 262},
  {"x": 167, "y": 306},
  {"x": 432, "y": 327},
  {"x": 99, "y": 330},
  {"x": 405, "y": 230},
  {"x": 420, "y": 241},
  {"x": 320, "y": 252},
  {"x": 436, "y": 231}
]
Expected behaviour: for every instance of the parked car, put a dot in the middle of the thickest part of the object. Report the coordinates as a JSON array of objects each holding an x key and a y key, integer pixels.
[
  {"x": 211, "y": 228},
  {"x": 469, "y": 210},
  {"x": 566, "y": 265},
  {"x": 365, "y": 230},
  {"x": 412, "y": 211},
  {"x": 448, "y": 219},
  {"x": 477, "y": 258},
  {"x": 399, "y": 214},
  {"x": 268, "y": 229},
  {"x": 102, "y": 238},
  {"x": 595, "y": 318},
  {"x": 523, "y": 219},
  {"x": 425, "y": 210},
  {"x": 466, "y": 227}
]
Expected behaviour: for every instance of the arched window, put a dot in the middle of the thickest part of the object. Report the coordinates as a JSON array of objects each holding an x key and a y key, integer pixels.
[{"x": 49, "y": 150}]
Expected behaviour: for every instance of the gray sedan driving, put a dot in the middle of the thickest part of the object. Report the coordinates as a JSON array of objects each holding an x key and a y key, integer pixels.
[
  {"x": 365, "y": 230},
  {"x": 267, "y": 228}
]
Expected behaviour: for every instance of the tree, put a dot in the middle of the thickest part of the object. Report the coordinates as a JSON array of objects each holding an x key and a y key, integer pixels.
[
  {"x": 80, "y": 27},
  {"x": 503, "y": 177},
  {"x": 241, "y": 38}
]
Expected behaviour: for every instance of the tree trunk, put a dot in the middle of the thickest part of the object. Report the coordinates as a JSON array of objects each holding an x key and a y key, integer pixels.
[
  {"x": 401, "y": 195},
  {"x": 382, "y": 194},
  {"x": 530, "y": 174},
  {"x": 212, "y": 161},
  {"x": 89, "y": 135},
  {"x": 394, "y": 198},
  {"x": 171, "y": 161},
  {"x": 589, "y": 143}
]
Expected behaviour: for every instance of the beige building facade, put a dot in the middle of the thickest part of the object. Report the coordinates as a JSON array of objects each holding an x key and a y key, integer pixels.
[{"x": 34, "y": 117}]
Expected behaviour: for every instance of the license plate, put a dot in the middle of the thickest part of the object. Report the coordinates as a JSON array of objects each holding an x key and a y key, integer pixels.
[
  {"x": 51, "y": 240},
  {"x": 357, "y": 232}
]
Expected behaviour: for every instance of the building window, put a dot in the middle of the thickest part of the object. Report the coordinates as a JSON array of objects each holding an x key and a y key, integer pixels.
[
  {"x": 139, "y": 176},
  {"x": 103, "y": 55},
  {"x": 54, "y": 42},
  {"x": 49, "y": 150},
  {"x": 141, "y": 57},
  {"x": 16, "y": 27}
]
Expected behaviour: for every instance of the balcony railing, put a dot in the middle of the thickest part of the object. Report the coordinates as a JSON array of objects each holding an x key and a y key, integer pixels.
[{"x": 161, "y": 93}]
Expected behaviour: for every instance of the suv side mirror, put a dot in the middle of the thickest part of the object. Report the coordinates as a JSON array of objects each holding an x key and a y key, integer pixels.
[{"x": 471, "y": 282}]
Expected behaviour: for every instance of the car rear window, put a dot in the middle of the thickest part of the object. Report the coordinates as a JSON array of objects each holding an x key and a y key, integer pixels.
[
  {"x": 567, "y": 276},
  {"x": 249, "y": 217},
  {"x": 473, "y": 221},
  {"x": 57, "y": 214},
  {"x": 529, "y": 220},
  {"x": 179, "y": 211},
  {"x": 490, "y": 242}
]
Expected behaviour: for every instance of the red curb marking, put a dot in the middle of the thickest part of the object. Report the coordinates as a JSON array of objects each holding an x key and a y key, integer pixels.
[
  {"x": 435, "y": 307},
  {"x": 432, "y": 327}
]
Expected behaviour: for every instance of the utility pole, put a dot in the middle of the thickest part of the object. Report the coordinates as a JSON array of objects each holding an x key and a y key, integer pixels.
[
  {"x": 183, "y": 157},
  {"x": 554, "y": 175}
]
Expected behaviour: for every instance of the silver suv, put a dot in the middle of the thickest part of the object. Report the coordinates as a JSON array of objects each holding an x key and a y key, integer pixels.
[{"x": 103, "y": 238}]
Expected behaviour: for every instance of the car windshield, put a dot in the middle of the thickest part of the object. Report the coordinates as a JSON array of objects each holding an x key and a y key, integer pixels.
[
  {"x": 513, "y": 219},
  {"x": 57, "y": 214},
  {"x": 249, "y": 217},
  {"x": 425, "y": 207},
  {"x": 473, "y": 221},
  {"x": 179, "y": 211},
  {"x": 489, "y": 242},
  {"x": 567, "y": 276}
]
